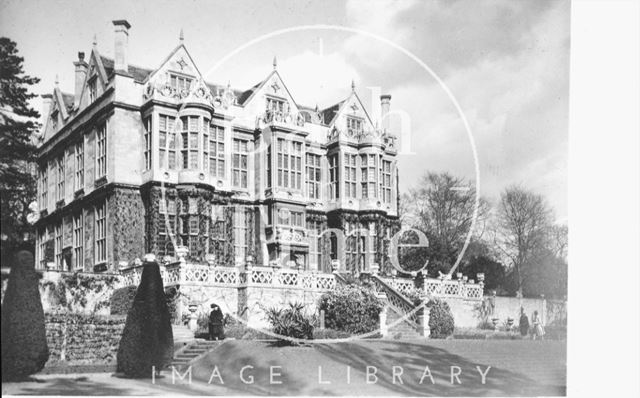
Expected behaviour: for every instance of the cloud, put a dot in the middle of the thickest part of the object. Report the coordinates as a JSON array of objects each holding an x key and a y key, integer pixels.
[
  {"x": 507, "y": 65},
  {"x": 314, "y": 78}
]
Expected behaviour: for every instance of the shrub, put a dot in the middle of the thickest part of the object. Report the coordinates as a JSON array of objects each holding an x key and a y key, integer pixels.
[
  {"x": 147, "y": 338},
  {"x": 121, "y": 300},
  {"x": 441, "y": 322},
  {"x": 291, "y": 322},
  {"x": 24, "y": 341},
  {"x": 353, "y": 309}
]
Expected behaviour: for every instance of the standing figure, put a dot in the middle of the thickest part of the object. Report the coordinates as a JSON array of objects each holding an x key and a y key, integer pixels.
[
  {"x": 524, "y": 322},
  {"x": 538, "y": 329},
  {"x": 216, "y": 323}
]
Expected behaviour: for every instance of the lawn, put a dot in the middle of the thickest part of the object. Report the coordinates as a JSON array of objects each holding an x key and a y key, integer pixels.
[{"x": 432, "y": 367}]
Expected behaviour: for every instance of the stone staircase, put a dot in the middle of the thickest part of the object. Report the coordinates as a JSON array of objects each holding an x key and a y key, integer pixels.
[
  {"x": 401, "y": 330},
  {"x": 192, "y": 351},
  {"x": 182, "y": 335}
]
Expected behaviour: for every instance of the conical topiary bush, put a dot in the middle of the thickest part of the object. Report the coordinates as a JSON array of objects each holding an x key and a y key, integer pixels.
[
  {"x": 147, "y": 338},
  {"x": 24, "y": 340}
]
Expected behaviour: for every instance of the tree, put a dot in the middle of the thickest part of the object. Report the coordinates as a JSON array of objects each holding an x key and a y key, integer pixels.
[
  {"x": 494, "y": 272},
  {"x": 442, "y": 206},
  {"x": 24, "y": 340},
  {"x": 18, "y": 122},
  {"x": 523, "y": 222},
  {"x": 147, "y": 338}
]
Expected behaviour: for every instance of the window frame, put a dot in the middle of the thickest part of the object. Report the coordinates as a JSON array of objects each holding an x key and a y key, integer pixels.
[
  {"x": 240, "y": 156},
  {"x": 100, "y": 240},
  {"x": 101, "y": 150}
]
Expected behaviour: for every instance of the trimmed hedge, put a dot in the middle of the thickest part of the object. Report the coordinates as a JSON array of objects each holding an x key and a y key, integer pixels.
[
  {"x": 147, "y": 338},
  {"x": 441, "y": 323},
  {"x": 122, "y": 299},
  {"x": 352, "y": 309},
  {"x": 24, "y": 340}
]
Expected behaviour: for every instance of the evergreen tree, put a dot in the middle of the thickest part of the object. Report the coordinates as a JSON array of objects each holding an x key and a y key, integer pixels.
[
  {"x": 18, "y": 122},
  {"x": 147, "y": 338},
  {"x": 24, "y": 341}
]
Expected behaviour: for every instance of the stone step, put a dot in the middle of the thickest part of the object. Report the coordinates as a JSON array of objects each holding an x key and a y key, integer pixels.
[{"x": 195, "y": 349}]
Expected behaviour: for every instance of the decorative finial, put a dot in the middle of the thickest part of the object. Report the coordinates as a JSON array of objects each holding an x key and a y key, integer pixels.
[
  {"x": 95, "y": 40},
  {"x": 228, "y": 85},
  {"x": 56, "y": 82},
  {"x": 317, "y": 108},
  {"x": 181, "y": 35},
  {"x": 275, "y": 63},
  {"x": 353, "y": 85}
]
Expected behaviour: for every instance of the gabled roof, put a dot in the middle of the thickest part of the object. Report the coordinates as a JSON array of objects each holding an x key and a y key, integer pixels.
[
  {"x": 68, "y": 99},
  {"x": 171, "y": 54},
  {"x": 248, "y": 95},
  {"x": 242, "y": 98},
  {"x": 330, "y": 113},
  {"x": 139, "y": 74}
]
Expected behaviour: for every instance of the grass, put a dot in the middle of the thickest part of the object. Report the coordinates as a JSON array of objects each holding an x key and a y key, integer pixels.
[{"x": 551, "y": 333}]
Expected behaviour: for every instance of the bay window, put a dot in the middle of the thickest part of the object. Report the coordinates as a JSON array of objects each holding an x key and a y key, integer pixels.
[
  {"x": 350, "y": 175},
  {"x": 166, "y": 142},
  {"x": 216, "y": 151},
  {"x": 190, "y": 132}
]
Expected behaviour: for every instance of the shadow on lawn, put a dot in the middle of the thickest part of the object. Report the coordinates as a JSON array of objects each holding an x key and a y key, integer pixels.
[
  {"x": 84, "y": 386},
  {"x": 413, "y": 358},
  {"x": 301, "y": 376},
  {"x": 231, "y": 360},
  {"x": 73, "y": 386}
]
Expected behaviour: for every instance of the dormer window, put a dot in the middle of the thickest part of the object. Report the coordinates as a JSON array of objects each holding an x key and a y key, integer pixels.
[
  {"x": 354, "y": 124},
  {"x": 179, "y": 83}
]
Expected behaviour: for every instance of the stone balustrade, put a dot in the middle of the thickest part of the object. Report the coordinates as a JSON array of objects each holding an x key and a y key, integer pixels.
[
  {"x": 458, "y": 288},
  {"x": 205, "y": 275}
]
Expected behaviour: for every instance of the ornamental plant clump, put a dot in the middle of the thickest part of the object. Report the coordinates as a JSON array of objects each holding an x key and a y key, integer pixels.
[
  {"x": 352, "y": 308},
  {"x": 24, "y": 340},
  {"x": 441, "y": 322},
  {"x": 147, "y": 338},
  {"x": 291, "y": 322}
]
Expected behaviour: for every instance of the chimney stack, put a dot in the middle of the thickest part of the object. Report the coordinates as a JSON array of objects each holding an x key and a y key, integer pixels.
[
  {"x": 120, "y": 61},
  {"x": 81, "y": 74},
  {"x": 385, "y": 103}
]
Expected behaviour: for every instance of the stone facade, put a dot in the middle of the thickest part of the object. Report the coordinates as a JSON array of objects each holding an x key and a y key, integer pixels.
[{"x": 139, "y": 161}]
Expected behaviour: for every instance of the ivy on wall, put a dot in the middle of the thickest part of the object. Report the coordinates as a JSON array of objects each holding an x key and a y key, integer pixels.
[{"x": 79, "y": 292}]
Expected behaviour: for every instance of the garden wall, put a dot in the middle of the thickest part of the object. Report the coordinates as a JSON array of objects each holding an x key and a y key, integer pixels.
[
  {"x": 248, "y": 303},
  {"x": 466, "y": 313},
  {"x": 81, "y": 293},
  {"x": 76, "y": 339}
]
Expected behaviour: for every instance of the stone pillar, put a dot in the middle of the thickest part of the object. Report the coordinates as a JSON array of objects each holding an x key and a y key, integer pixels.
[
  {"x": 193, "y": 318},
  {"x": 384, "y": 330},
  {"x": 423, "y": 321}
]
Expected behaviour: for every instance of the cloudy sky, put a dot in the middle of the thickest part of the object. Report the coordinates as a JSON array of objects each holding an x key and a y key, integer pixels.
[{"x": 506, "y": 62}]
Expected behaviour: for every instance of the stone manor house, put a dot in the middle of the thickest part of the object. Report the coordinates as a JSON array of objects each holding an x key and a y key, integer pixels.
[{"x": 158, "y": 160}]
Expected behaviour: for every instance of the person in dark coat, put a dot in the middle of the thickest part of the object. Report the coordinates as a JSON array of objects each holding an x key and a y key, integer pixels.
[
  {"x": 524, "y": 322},
  {"x": 216, "y": 323}
]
